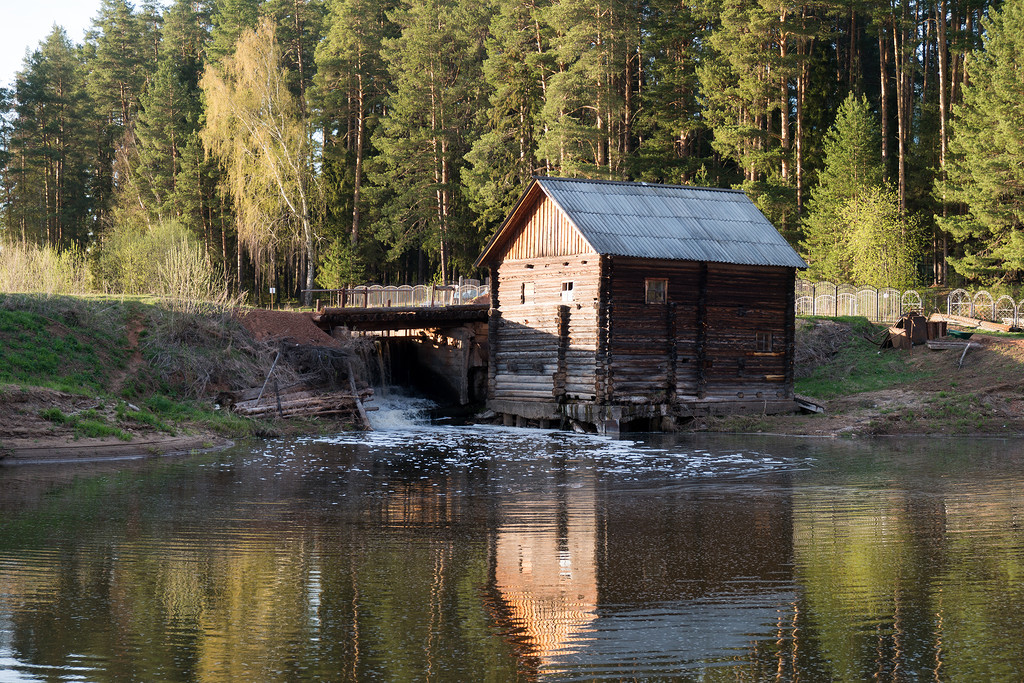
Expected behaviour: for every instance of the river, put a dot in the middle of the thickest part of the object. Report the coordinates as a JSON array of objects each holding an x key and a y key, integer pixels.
[{"x": 496, "y": 554}]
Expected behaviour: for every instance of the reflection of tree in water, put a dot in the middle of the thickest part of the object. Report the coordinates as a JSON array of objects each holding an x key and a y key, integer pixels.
[{"x": 898, "y": 583}]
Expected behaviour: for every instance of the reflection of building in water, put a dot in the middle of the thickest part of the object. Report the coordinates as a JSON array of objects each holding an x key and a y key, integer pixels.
[{"x": 545, "y": 570}]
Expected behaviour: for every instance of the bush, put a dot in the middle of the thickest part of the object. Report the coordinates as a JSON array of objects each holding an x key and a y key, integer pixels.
[
  {"x": 29, "y": 268},
  {"x": 163, "y": 259}
]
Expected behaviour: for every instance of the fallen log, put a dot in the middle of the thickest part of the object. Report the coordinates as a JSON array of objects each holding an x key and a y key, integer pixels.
[
  {"x": 964, "y": 321},
  {"x": 955, "y": 344}
]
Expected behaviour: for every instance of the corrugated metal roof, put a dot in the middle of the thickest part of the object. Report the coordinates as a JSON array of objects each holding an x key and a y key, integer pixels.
[{"x": 671, "y": 221}]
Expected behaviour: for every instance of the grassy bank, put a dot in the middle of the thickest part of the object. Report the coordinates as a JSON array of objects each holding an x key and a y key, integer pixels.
[{"x": 122, "y": 368}]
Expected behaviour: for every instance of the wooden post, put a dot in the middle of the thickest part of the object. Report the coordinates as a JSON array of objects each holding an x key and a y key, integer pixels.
[
  {"x": 790, "y": 340},
  {"x": 702, "y": 331},
  {"x": 670, "y": 334},
  {"x": 493, "y": 333},
  {"x": 603, "y": 361},
  {"x": 558, "y": 383}
]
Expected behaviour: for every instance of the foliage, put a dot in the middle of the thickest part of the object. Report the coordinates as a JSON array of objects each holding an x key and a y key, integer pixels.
[
  {"x": 884, "y": 243},
  {"x": 985, "y": 171},
  {"x": 25, "y": 267},
  {"x": 254, "y": 127},
  {"x": 340, "y": 266},
  {"x": 412, "y": 127},
  {"x": 852, "y": 168},
  {"x": 161, "y": 259}
]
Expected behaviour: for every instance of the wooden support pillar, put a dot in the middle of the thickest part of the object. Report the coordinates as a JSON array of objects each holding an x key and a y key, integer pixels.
[
  {"x": 603, "y": 362},
  {"x": 790, "y": 341},
  {"x": 672, "y": 349},
  {"x": 702, "y": 331},
  {"x": 493, "y": 331},
  {"x": 561, "y": 371}
]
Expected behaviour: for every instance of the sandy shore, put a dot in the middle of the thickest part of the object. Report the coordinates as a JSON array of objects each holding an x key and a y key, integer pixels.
[{"x": 51, "y": 450}]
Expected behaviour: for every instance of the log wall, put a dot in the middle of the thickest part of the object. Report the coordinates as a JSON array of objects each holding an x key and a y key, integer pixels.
[
  {"x": 703, "y": 343},
  {"x": 544, "y": 347}
]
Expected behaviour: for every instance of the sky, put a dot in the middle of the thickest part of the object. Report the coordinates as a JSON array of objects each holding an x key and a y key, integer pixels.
[{"x": 25, "y": 23}]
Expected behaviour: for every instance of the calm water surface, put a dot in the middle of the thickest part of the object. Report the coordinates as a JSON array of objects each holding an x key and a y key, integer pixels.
[{"x": 473, "y": 553}]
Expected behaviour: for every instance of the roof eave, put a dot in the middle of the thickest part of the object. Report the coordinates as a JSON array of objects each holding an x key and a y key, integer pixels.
[{"x": 486, "y": 255}]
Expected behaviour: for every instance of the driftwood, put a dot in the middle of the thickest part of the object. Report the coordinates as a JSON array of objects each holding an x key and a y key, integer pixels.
[
  {"x": 955, "y": 344},
  {"x": 964, "y": 321},
  {"x": 300, "y": 400}
]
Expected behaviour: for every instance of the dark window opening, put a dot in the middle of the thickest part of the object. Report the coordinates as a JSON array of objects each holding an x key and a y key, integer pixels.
[{"x": 656, "y": 290}]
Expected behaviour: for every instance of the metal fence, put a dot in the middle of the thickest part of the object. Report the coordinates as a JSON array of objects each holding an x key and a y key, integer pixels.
[
  {"x": 888, "y": 304},
  {"x": 401, "y": 296}
]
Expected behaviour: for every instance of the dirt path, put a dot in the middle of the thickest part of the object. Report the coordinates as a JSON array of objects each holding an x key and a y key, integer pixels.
[{"x": 134, "y": 330}]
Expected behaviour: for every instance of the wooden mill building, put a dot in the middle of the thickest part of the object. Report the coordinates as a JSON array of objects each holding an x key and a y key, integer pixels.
[{"x": 625, "y": 305}]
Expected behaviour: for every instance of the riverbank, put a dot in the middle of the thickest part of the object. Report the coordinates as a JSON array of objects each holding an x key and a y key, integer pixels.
[
  {"x": 113, "y": 377},
  {"x": 868, "y": 391}
]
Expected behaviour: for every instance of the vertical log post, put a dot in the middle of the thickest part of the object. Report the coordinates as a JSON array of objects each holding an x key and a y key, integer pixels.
[
  {"x": 670, "y": 336},
  {"x": 603, "y": 364},
  {"x": 790, "y": 334},
  {"x": 702, "y": 331},
  {"x": 561, "y": 371},
  {"x": 493, "y": 331}
]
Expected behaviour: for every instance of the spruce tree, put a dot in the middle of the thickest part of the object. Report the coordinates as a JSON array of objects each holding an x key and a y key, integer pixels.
[
  {"x": 852, "y": 166},
  {"x": 985, "y": 161}
]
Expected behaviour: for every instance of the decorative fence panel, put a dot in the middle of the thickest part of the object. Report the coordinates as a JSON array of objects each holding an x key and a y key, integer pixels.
[
  {"x": 888, "y": 304},
  {"x": 401, "y": 296}
]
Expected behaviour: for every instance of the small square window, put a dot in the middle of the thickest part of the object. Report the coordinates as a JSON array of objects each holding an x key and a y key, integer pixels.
[
  {"x": 567, "y": 288},
  {"x": 526, "y": 290},
  {"x": 763, "y": 342},
  {"x": 655, "y": 290}
]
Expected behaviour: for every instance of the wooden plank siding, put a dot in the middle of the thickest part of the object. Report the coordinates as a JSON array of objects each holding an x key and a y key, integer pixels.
[
  {"x": 544, "y": 231},
  {"x": 545, "y": 351},
  {"x": 667, "y": 352}
]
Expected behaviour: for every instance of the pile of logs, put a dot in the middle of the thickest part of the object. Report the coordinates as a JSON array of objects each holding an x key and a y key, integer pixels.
[{"x": 301, "y": 400}]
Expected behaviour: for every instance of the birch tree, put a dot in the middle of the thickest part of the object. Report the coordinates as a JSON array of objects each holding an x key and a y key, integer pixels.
[{"x": 254, "y": 128}]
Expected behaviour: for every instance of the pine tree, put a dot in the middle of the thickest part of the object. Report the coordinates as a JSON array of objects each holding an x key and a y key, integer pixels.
[
  {"x": 48, "y": 172},
  {"x": 435, "y": 67},
  {"x": 230, "y": 19},
  {"x": 504, "y": 157},
  {"x": 299, "y": 29},
  {"x": 675, "y": 138},
  {"x": 350, "y": 85},
  {"x": 852, "y": 166},
  {"x": 169, "y": 115},
  {"x": 121, "y": 61},
  {"x": 586, "y": 120},
  {"x": 985, "y": 159}
]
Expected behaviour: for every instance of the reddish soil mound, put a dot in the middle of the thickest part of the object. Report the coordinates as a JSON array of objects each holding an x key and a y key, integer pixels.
[{"x": 288, "y": 326}]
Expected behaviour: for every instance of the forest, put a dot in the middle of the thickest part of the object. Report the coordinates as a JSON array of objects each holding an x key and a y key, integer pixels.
[{"x": 303, "y": 144}]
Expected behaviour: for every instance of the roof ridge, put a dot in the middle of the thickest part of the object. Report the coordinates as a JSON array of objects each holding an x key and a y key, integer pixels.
[{"x": 636, "y": 183}]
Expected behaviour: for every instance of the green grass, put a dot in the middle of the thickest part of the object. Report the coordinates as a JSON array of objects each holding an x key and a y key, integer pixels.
[
  {"x": 52, "y": 348},
  {"x": 87, "y": 423},
  {"x": 859, "y": 366}
]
